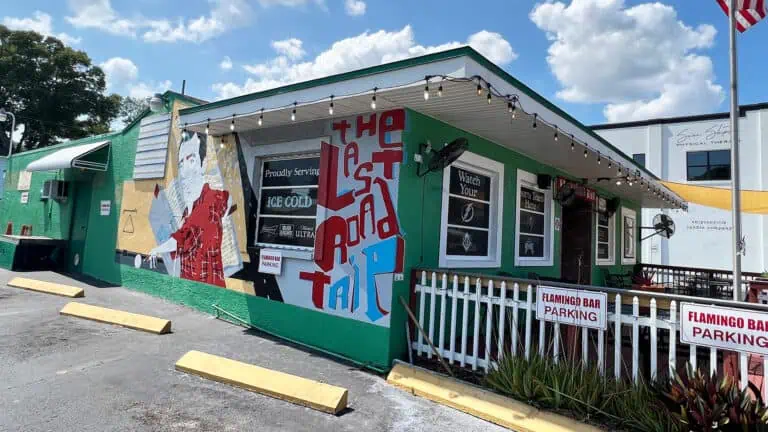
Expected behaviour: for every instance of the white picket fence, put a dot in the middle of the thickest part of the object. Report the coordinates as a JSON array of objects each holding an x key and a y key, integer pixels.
[{"x": 459, "y": 341}]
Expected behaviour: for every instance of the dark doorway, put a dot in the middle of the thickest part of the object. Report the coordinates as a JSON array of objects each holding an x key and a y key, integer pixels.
[{"x": 576, "y": 256}]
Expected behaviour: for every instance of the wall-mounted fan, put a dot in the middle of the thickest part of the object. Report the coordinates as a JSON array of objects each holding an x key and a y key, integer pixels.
[
  {"x": 443, "y": 157},
  {"x": 566, "y": 195},
  {"x": 663, "y": 225}
]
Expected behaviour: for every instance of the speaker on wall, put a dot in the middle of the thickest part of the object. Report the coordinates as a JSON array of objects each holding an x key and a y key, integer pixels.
[
  {"x": 544, "y": 181},
  {"x": 612, "y": 206}
]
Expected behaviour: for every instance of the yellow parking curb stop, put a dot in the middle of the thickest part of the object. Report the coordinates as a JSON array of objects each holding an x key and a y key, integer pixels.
[
  {"x": 46, "y": 287},
  {"x": 291, "y": 388},
  {"x": 113, "y": 316},
  {"x": 480, "y": 403}
]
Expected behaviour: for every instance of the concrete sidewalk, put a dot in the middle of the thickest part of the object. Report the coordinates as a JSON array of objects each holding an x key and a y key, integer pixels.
[{"x": 66, "y": 374}]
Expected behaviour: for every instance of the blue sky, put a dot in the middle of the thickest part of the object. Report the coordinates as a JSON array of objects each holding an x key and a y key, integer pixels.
[{"x": 600, "y": 60}]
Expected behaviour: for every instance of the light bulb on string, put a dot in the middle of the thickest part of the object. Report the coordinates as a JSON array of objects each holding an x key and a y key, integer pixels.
[
  {"x": 513, "y": 109},
  {"x": 556, "y": 134},
  {"x": 479, "y": 88},
  {"x": 629, "y": 181},
  {"x": 293, "y": 113},
  {"x": 330, "y": 106},
  {"x": 184, "y": 133},
  {"x": 535, "y": 117},
  {"x": 573, "y": 144},
  {"x": 208, "y": 127},
  {"x": 373, "y": 99},
  {"x": 599, "y": 159},
  {"x": 440, "y": 90},
  {"x": 586, "y": 153},
  {"x": 426, "y": 91},
  {"x": 618, "y": 182},
  {"x": 232, "y": 124},
  {"x": 261, "y": 117},
  {"x": 610, "y": 163},
  {"x": 510, "y": 107},
  {"x": 489, "y": 94}
]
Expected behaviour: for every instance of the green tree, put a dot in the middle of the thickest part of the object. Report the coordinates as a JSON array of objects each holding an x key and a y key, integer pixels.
[
  {"x": 131, "y": 108},
  {"x": 55, "y": 91}
]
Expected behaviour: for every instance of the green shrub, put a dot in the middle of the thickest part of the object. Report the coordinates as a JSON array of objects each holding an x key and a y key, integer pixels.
[{"x": 582, "y": 392}]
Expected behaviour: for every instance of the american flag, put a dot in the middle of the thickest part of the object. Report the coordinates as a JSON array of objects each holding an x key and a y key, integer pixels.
[{"x": 748, "y": 12}]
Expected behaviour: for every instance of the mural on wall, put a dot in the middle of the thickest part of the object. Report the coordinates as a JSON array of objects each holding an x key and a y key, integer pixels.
[
  {"x": 187, "y": 223},
  {"x": 330, "y": 213},
  {"x": 190, "y": 219}
]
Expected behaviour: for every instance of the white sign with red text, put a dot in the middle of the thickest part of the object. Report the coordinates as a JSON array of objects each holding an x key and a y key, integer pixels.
[
  {"x": 725, "y": 328},
  {"x": 574, "y": 307},
  {"x": 270, "y": 261}
]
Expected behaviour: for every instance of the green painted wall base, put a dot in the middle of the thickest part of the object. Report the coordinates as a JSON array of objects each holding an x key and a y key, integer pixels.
[
  {"x": 7, "y": 252},
  {"x": 365, "y": 343}
]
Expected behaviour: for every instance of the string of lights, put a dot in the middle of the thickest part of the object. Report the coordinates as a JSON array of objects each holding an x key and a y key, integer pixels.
[{"x": 630, "y": 176}]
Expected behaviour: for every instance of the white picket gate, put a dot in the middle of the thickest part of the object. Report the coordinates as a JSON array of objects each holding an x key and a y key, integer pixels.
[{"x": 461, "y": 342}]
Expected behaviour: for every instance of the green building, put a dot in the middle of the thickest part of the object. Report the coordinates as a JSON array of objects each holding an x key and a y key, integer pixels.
[{"x": 308, "y": 210}]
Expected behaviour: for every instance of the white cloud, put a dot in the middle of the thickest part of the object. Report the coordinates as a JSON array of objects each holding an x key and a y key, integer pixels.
[
  {"x": 355, "y": 7},
  {"x": 224, "y": 15},
  {"x": 226, "y": 63},
  {"x": 290, "y": 48},
  {"x": 289, "y": 3},
  {"x": 98, "y": 14},
  {"x": 640, "y": 61},
  {"x": 119, "y": 71},
  {"x": 363, "y": 50},
  {"x": 122, "y": 77},
  {"x": 143, "y": 90},
  {"x": 42, "y": 23}
]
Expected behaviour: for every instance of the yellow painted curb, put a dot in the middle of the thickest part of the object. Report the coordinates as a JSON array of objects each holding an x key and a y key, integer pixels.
[
  {"x": 118, "y": 317},
  {"x": 46, "y": 287},
  {"x": 480, "y": 403},
  {"x": 291, "y": 388}
]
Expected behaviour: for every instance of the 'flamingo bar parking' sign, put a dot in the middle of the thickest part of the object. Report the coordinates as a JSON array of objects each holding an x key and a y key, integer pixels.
[
  {"x": 725, "y": 328},
  {"x": 574, "y": 307}
]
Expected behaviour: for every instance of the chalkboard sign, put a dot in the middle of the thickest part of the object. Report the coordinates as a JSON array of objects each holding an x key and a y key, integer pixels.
[
  {"x": 466, "y": 242},
  {"x": 291, "y": 172},
  {"x": 531, "y": 223},
  {"x": 531, "y": 246},
  {"x": 286, "y": 231},
  {"x": 468, "y": 213},
  {"x": 531, "y": 200},
  {"x": 470, "y": 185},
  {"x": 290, "y": 201}
]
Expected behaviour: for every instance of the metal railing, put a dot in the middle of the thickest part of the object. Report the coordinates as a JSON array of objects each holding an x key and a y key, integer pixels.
[
  {"x": 473, "y": 320},
  {"x": 697, "y": 282}
]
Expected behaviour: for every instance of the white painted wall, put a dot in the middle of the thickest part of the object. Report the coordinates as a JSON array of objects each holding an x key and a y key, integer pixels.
[{"x": 703, "y": 234}]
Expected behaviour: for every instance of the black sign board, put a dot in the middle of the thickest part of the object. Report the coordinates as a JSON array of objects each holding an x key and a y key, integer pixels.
[
  {"x": 468, "y": 213},
  {"x": 290, "y": 201},
  {"x": 531, "y": 246},
  {"x": 291, "y": 172},
  {"x": 531, "y": 223},
  {"x": 531, "y": 200},
  {"x": 470, "y": 185},
  {"x": 286, "y": 231},
  {"x": 602, "y": 251},
  {"x": 466, "y": 242}
]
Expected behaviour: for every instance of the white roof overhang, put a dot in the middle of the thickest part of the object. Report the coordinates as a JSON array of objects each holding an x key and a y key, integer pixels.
[
  {"x": 458, "y": 106},
  {"x": 72, "y": 157}
]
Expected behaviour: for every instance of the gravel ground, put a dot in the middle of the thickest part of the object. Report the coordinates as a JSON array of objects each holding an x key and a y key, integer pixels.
[{"x": 61, "y": 373}]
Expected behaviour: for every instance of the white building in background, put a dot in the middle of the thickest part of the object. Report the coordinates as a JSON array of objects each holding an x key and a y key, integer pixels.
[{"x": 696, "y": 150}]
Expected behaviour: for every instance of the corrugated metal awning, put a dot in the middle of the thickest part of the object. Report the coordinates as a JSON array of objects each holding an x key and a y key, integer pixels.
[{"x": 73, "y": 157}]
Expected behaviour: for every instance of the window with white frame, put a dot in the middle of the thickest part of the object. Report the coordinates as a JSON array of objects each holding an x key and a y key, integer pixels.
[
  {"x": 470, "y": 235},
  {"x": 288, "y": 201},
  {"x": 605, "y": 240},
  {"x": 628, "y": 236},
  {"x": 534, "y": 222}
]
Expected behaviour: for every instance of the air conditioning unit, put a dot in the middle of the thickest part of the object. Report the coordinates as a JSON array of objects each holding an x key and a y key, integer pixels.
[{"x": 54, "y": 189}]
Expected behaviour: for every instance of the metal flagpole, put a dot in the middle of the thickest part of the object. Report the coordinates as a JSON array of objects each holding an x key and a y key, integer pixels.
[{"x": 735, "y": 180}]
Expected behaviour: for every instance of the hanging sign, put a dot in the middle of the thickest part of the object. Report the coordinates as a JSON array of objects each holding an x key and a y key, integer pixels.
[
  {"x": 724, "y": 328},
  {"x": 574, "y": 307},
  {"x": 582, "y": 192},
  {"x": 106, "y": 207},
  {"x": 270, "y": 261}
]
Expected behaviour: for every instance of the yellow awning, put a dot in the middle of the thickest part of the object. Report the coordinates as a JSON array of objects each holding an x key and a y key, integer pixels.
[{"x": 751, "y": 201}]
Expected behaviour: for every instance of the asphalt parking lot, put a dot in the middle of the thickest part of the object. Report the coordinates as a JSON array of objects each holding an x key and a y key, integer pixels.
[{"x": 61, "y": 373}]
